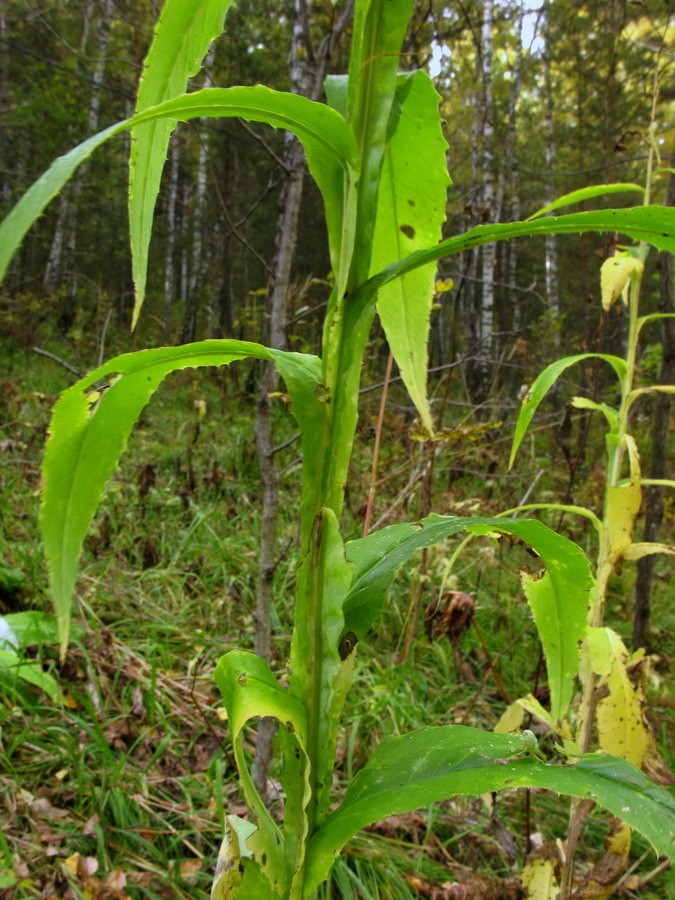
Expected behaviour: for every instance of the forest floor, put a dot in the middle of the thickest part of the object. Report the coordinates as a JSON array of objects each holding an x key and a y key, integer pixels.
[{"x": 121, "y": 792}]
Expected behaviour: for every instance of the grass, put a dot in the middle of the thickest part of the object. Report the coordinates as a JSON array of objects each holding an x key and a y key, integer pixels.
[{"x": 122, "y": 792}]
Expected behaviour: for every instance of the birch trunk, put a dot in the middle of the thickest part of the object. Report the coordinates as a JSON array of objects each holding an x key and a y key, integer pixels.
[
  {"x": 189, "y": 331},
  {"x": 64, "y": 245},
  {"x": 550, "y": 251},
  {"x": 488, "y": 210}
]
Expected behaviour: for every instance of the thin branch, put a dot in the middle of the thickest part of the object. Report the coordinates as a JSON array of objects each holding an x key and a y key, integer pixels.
[{"x": 57, "y": 359}]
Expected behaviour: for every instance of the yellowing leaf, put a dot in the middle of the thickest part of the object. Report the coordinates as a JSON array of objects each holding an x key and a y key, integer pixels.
[
  {"x": 623, "y": 505},
  {"x": 538, "y": 880},
  {"x": 511, "y": 720},
  {"x": 615, "y": 276},
  {"x": 637, "y": 551},
  {"x": 621, "y": 727},
  {"x": 72, "y": 864}
]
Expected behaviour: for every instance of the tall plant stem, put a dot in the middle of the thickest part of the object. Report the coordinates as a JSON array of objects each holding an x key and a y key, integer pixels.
[
  {"x": 376, "y": 449},
  {"x": 617, "y": 445}
]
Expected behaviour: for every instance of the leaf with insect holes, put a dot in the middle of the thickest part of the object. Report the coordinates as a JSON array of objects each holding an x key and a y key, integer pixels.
[
  {"x": 410, "y": 215},
  {"x": 250, "y": 690},
  {"x": 653, "y": 224},
  {"x": 89, "y": 431},
  {"x": 412, "y": 770}
]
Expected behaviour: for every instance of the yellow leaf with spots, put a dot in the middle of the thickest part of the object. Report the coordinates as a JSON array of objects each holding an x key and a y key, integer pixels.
[
  {"x": 623, "y": 505},
  {"x": 621, "y": 727},
  {"x": 615, "y": 276},
  {"x": 538, "y": 880}
]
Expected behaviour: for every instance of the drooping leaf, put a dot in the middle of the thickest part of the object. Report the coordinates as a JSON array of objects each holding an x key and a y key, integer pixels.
[
  {"x": 542, "y": 385},
  {"x": 412, "y": 770},
  {"x": 89, "y": 431},
  {"x": 31, "y": 206},
  {"x": 249, "y": 690},
  {"x": 636, "y": 551},
  {"x": 653, "y": 224},
  {"x": 326, "y": 137},
  {"x": 597, "y": 190},
  {"x": 559, "y": 598},
  {"x": 410, "y": 214},
  {"x": 182, "y": 38}
]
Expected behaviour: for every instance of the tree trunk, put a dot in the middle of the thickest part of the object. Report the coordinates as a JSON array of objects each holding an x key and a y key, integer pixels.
[
  {"x": 169, "y": 267},
  {"x": 550, "y": 252},
  {"x": 189, "y": 332},
  {"x": 64, "y": 245},
  {"x": 307, "y": 70},
  {"x": 486, "y": 326},
  {"x": 660, "y": 427}
]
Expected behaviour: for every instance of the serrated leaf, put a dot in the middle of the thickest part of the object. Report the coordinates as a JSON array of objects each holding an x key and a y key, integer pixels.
[
  {"x": 325, "y": 136},
  {"x": 653, "y": 224},
  {"x": 182, "y": 38},
  {"x": 542, "y": 385},
  {"x": 250, "y": 690},
  {"x": 431, "y": 764},
  {"x": 597, "y": 190},
  {"x": 89, "y": 431},
  {"x": 410, "y": 214},
  {"x": 559, "y": 599}
]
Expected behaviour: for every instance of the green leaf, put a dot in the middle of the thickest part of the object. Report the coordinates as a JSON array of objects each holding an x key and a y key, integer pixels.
[
  {"x": 182, "y": 38},
  {"x": 249, "y": 690},
  {"x": 410, "y": 215},
  {"x": 89, "y": 431},
  {"x": 544, "y": 382},
  {"x": 13, "y": 668},
  {"x": 326, "y": 137},
  {"x": 653, "y": 224},
  {"x": 32, "y": 627},
  {"x": 30, "y": 207},
  {"x": 415, "y": 769},
  {"x": 559, "y": 598},
  {"x": 597, "y": 190}
]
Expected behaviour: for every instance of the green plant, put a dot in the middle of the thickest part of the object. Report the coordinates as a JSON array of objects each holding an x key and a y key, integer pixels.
[
  {"x": 18, "y": 674},
  {"x": 378, "y": 156}
]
